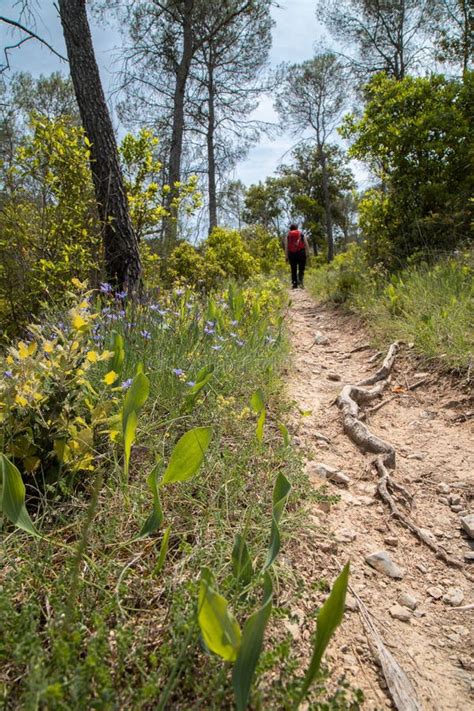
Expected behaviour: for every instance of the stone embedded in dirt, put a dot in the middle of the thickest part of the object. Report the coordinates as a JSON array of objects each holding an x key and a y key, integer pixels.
[
  {"x": 363, "y": 501},
  {"x": 443, "y": 488},
  {"x": 351, "y": 603},
  {"x": 416, "y": 455},
  {"x": 328, "y": 547},
  {"x": 339, "y": 478},
  {"x": 457, "y": 508},
  {"x": 391, "y": 541},
  {"x": 469, "y": 557},
  {"x": 382, "y": 562},
  {"x": 345, "y": 535},
  {"x": 333, "y": 376},
  {"x": 324, "y": 506},
  {"x": 434, "y": 592},
  {"x": 320, "y": 339},
  {"x": 400, "y": 613},
  {"x": 293, "y": 629},
  {"x": 453, "y": 596},
  {"x": 408, "y": 600},
  {"x": 438, "y": 532},
  {"x": 467, "y": 523},
  {"x": 454, "y": 499}
]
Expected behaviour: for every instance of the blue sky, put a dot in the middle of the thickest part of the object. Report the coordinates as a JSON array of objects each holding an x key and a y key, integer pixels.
[{"x": 297, "y": 34}]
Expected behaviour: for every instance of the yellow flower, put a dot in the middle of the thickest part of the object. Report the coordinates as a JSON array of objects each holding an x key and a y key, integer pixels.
[
  {"x": 106, "y": 355},
  {"x": 92, "y": 357},
  {"x": 110, "y": 377},
  {"x": 78, "y": 322},
  {"x": 48, "y": 347},
  {"x": 20, "y": 400},
  {"x": 24, "y": 351}
]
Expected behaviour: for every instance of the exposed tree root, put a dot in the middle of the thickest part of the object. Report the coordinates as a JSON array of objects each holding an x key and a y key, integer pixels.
[
  {"x": 384, "y": 485},
  {"x": 350, "y": 397},
  {"x": 384, "y": 371}
]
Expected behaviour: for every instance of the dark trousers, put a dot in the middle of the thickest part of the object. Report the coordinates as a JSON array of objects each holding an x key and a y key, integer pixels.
[{"x": 297, "y": 263}]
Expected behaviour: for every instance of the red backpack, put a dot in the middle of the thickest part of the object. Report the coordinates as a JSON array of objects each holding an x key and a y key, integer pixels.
[{"x": 295, "y": 241}]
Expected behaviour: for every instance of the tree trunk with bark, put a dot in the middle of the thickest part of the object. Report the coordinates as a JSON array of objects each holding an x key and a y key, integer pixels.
[
  {"x": 211, "y": 158},
  {"x": 327, "y": 203},
  {"x": 122, "y": 258},
  {"x": 176, "y": 149}
]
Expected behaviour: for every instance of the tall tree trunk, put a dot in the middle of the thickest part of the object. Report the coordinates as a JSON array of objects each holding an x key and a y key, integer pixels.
[
  {"x": 327, "y": 204},
  {"x": 211, "y": 158},
  {"x": 122, "y": 259},
  {"x": 176, "y": 149}
]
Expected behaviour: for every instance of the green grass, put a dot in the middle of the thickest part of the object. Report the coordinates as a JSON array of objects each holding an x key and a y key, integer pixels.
[
  {"x": 431, "y": 306},
  {"x": 85, "y": 622}
]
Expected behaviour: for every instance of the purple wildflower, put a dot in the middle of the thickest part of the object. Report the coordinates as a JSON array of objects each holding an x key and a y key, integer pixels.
[
  {"x": 191, "y": 383},
  {"x": 105, "y": 287},
  {"x": 210, "y": 324},
  {"x": 8, "y": 374},
  {"x": 121, "y": 295},
  {"x": 269, "y": 340},
  {"x": 208, "y": 330},
  {"x": 239, "y": 342},
  {"x": 234, "y": 335},
  {"x": 146, "y": 334},
  {"x": 189, "y": 305},
  {"x": 179, "y": 292},
  {"x": 126, "y": 383},
  {"x": 234, "y": 323},
  {"x": 216, "y": 348},
  {"x": 178, "y": 371}
]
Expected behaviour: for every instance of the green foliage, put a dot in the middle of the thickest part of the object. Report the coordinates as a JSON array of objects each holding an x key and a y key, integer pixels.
[
  {"x": 133, "y": 402},
  {"x": 416, "y": 135},
  {"x": 48, "y": 224},
  {"x": 219, "y": 628},
  {"x": 329, "y": 618},
  {"x": 188, "y": 455},
  {"x": 12, "y": 496},
  {"x": 49, "y": 408},
  {"x": 142, "y": 172},
  {"x": 280, "y": 495},
  {"x": 242, "y": 568},
  {"x": 428, "y": 305},
  {"x": 227, "y": 248},
  {"x": 251, "y": 647}
]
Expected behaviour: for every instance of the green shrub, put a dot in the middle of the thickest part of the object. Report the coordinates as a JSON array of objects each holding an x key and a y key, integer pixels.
[{"x": 49, "y": 409}]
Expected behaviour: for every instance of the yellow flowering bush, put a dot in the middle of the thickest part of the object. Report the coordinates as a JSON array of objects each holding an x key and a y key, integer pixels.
[{"x": 49, "y": 409}]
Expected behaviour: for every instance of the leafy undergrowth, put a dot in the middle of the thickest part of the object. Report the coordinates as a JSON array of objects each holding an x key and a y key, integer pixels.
[
  {"x": 91, "y": 614},
  {"x": 431, "y": 306}
]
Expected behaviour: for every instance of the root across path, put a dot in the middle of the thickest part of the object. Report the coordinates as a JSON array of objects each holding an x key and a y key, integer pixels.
[{"x": 381, "y": 439}]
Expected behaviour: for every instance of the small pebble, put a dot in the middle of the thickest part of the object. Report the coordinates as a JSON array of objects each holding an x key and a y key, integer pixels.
[
  {"x": 408, "y": 600},
  {"x": 400, "y": 613},
  {"x": 453, "y": 597},
  {"x": 435, "y": 592}
]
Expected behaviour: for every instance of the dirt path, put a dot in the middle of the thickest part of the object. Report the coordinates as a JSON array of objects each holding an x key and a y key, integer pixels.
[{"x": 435, "y": 463}]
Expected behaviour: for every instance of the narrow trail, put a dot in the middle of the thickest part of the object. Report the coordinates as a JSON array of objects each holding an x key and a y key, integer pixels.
[{"x": 433, "y": 643}]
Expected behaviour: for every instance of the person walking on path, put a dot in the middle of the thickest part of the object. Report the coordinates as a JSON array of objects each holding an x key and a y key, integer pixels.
[{"x": 296, "y": 252}]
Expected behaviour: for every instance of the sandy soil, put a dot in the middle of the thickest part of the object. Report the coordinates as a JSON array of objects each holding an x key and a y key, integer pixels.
[{"x": 431, "y": 429}]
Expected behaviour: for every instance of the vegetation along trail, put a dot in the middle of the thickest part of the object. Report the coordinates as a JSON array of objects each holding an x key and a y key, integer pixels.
[{"x": 420, "y": 606}]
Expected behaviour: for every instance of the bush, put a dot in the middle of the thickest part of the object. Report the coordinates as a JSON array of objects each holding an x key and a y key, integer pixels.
[
  {"x": 48, "y": 224},
  {"x": 49, "y": 408},
  {"x": 429, "y": 305}
]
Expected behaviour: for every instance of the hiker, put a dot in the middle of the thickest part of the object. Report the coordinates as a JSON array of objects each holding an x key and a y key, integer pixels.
[{"x": 296, "y": 252}]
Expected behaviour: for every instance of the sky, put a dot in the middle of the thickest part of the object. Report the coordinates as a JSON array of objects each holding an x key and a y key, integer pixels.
[{"x": 296, "y": 36}]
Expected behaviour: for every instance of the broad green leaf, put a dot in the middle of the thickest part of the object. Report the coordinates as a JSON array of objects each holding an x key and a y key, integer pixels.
[
  {"x": 163, "y": 551},
  {"x": 274, "y": 546},
  {"x": 117, "y": 347},
  {"x": 12, "y": 496},
  {"x": 285, "y": 434},
  {"x": 260, "y": 425},
  {"x": 188, "y": 455},
  {"x": 257, "y": 402},
  {"x": 155, "y": 519},
  {"x": 280, "y": 494},
  {"x": 136, "y": 397},
  {"x": 129, "y": 438},
  {"x": 251, "y": 647},
  {"x": 329, "y": 618},
  {"x": 219, "y": 628},
  {"x": 241, "y": 563}
]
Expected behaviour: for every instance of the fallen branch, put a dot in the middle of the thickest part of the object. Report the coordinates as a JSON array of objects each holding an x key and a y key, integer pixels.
[
  {"x": 384, "y": 484},
  {"x": 463, "y": 608},
  {"x": 375, "y": 408},
  {"x": 399, "y": 685},
  {"x": 358, "y": 349}
]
